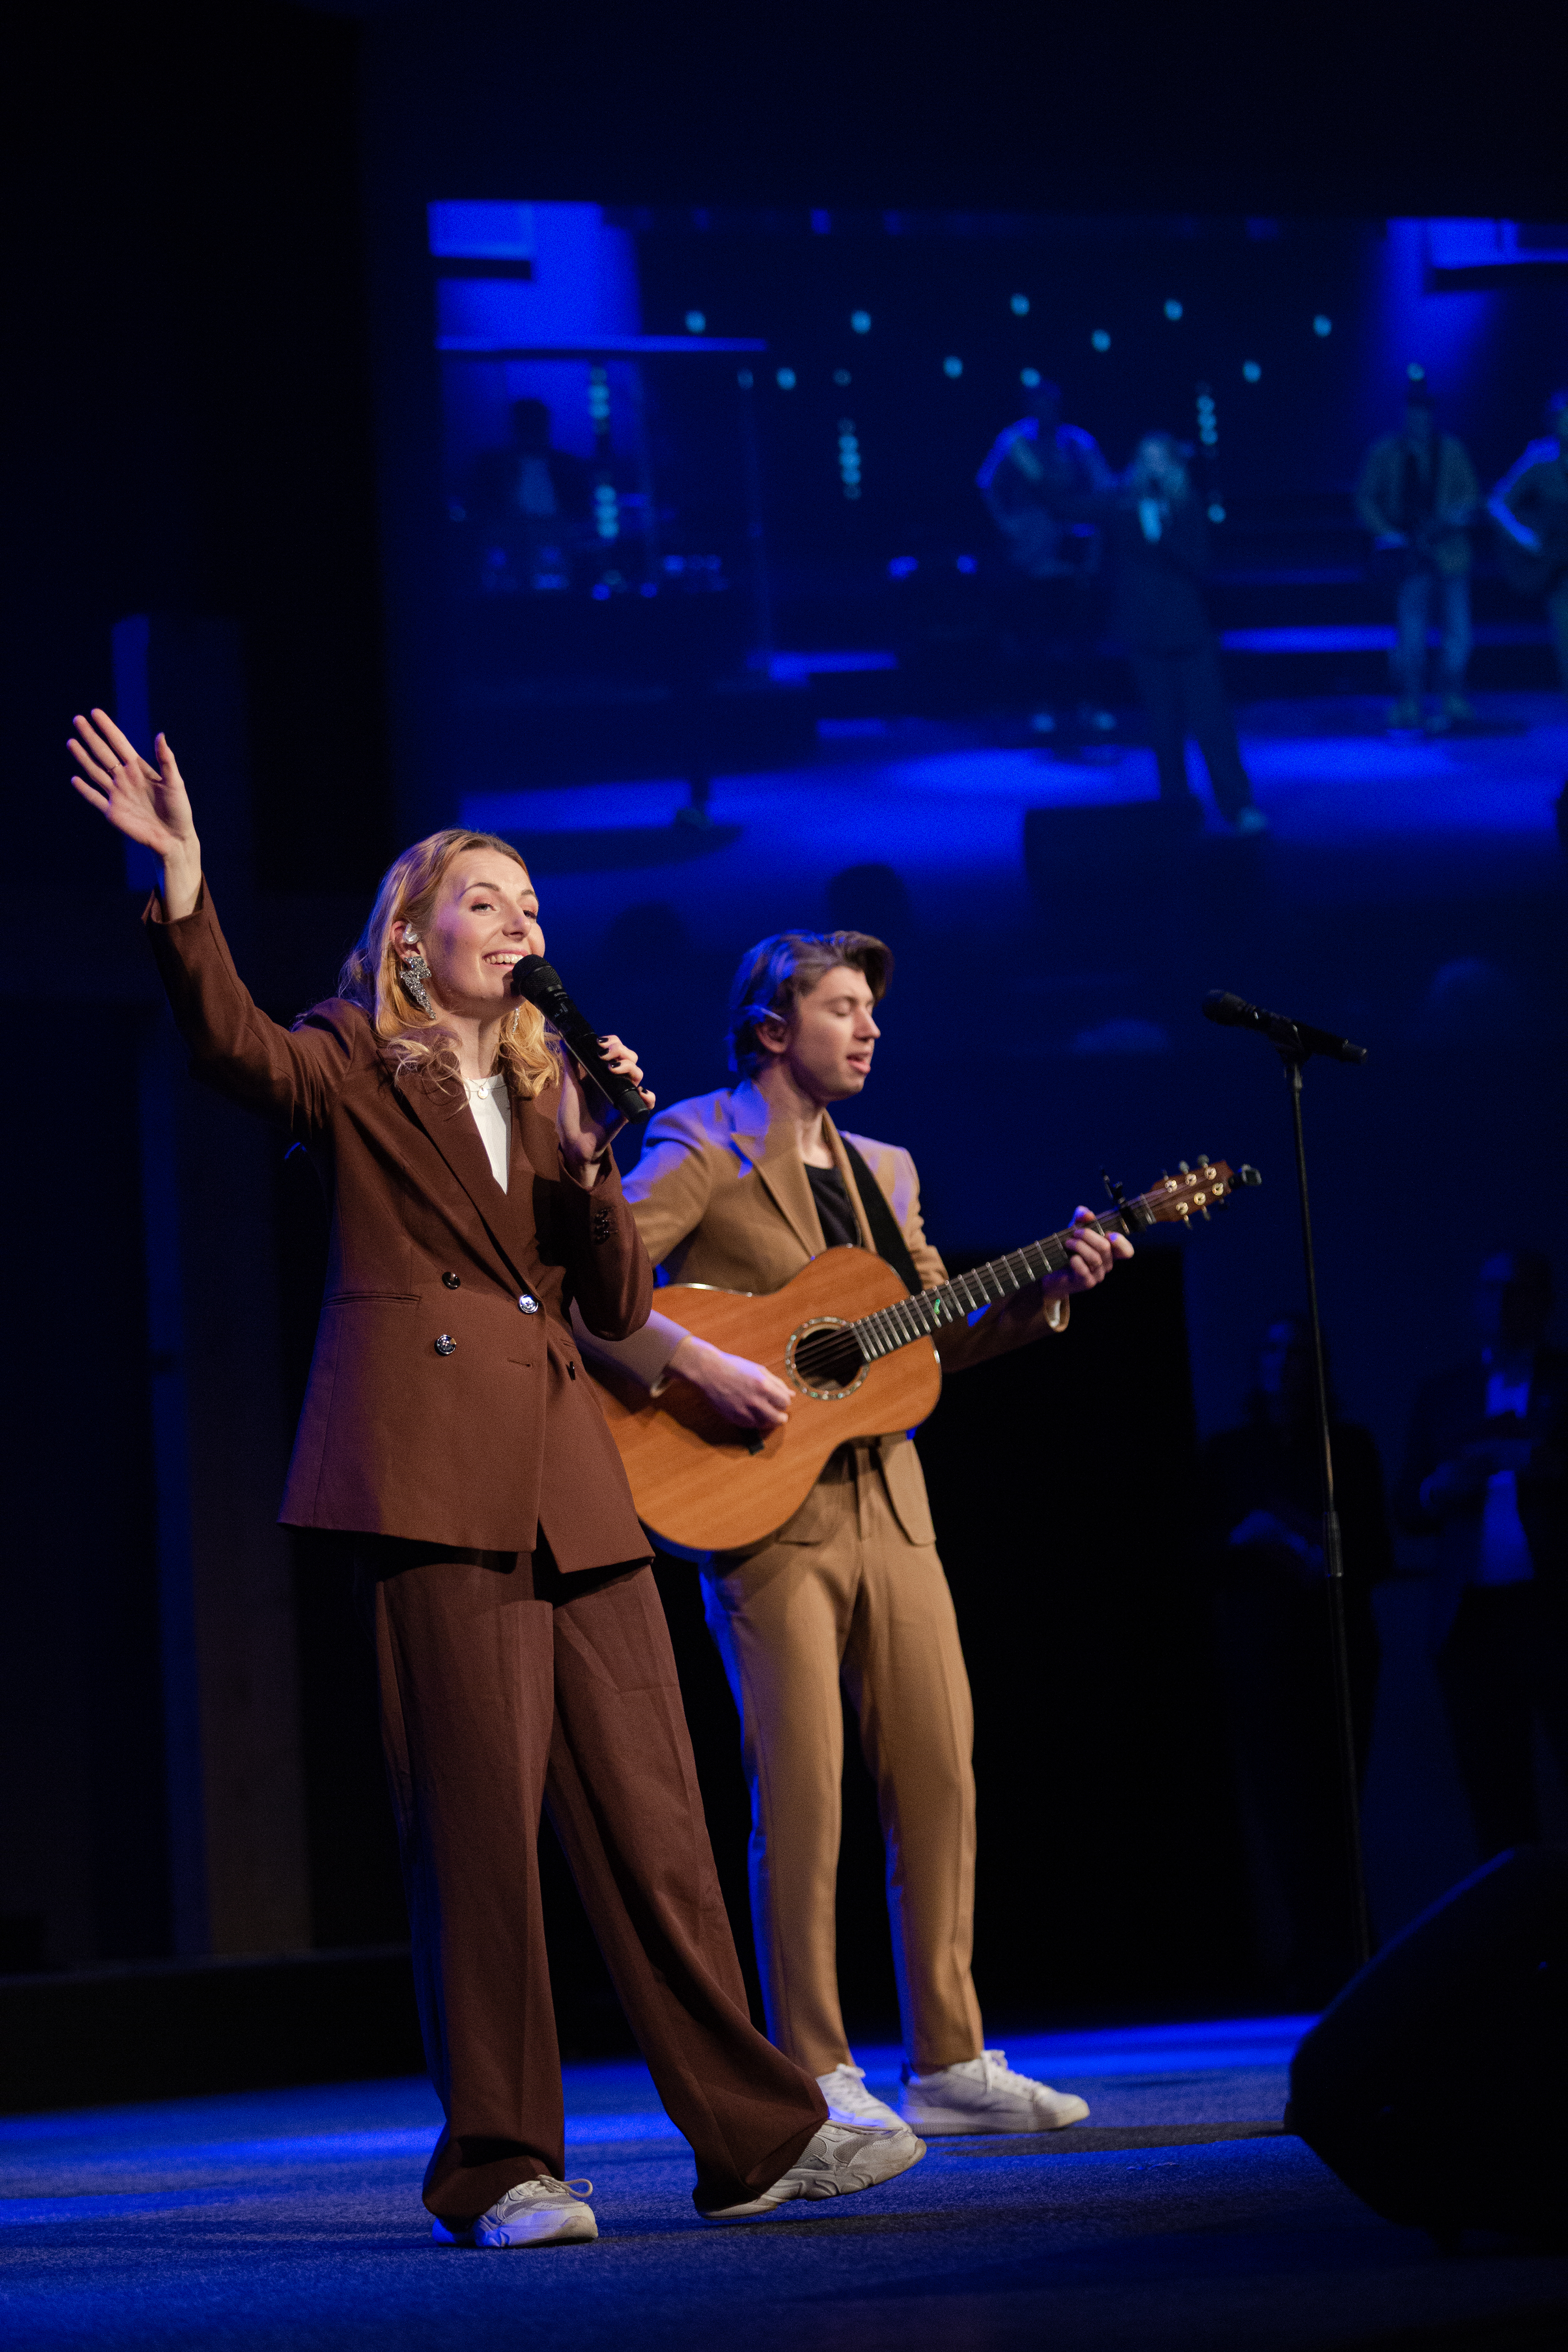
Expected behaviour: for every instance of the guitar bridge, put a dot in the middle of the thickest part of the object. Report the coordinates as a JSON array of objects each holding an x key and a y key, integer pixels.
[{"x": 755, "y": 1443}]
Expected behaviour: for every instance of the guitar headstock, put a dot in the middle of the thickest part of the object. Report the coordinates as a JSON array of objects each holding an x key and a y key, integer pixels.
[{"x": 1196, "y": 1187}]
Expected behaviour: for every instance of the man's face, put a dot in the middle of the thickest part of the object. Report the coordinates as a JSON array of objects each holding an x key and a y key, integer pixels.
[
  {"x": 829, "y": 1043},
  {"x": 1511, "y": 1303}
]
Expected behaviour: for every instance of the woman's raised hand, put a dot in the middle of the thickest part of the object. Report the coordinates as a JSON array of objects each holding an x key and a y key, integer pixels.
[
  {"x": 147, "y": 803},
  {"x": 584, "y": 1120}
]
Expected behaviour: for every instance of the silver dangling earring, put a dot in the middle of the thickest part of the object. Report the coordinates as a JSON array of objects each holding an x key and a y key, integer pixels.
[{"x": 414, "y": 974}]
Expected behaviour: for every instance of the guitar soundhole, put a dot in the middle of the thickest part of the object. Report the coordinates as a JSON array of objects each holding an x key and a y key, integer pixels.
[{"x": 826, "y": 1361}]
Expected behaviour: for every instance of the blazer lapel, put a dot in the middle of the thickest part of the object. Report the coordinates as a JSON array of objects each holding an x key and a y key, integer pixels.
[
  {"x": 441, "y": 1107},
  {"x": 773, "y": 1153}
]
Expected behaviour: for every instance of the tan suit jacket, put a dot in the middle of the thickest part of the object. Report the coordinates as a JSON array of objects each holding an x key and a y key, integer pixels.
[
  {"x": 722, "y": 1196},
  {"x": 444, "y": 1403}
]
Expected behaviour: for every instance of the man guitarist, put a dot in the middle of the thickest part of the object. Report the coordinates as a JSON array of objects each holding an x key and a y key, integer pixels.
[
  {"x": 740, "y": 1189},
  {"x": 1530, "y": 505}
]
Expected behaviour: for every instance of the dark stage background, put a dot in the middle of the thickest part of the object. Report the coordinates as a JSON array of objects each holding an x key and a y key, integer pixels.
[{"x": 226, "y": 417}]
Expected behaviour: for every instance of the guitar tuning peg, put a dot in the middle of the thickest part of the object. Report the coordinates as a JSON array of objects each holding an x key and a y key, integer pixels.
[
  {"x": 1205, "y": 1215},
  {"x": 1181, "y": 1165},
  {"x": 1202, "y": 1158}
]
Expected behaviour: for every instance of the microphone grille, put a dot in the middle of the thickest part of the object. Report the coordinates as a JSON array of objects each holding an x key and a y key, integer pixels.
[{"x": 538, "y": 981}]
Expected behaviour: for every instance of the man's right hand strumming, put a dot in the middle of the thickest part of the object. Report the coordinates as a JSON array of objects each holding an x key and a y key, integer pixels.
[
  {"x": 746, "y": 1393},
  {"x": 147, "y": 803}
]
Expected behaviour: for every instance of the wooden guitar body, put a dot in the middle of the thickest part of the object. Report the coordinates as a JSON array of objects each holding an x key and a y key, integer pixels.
[{"x": 704, "y": 1484}]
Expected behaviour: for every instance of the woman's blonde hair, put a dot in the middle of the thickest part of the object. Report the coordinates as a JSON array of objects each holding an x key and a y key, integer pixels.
[{"x": 373, "y": 976}]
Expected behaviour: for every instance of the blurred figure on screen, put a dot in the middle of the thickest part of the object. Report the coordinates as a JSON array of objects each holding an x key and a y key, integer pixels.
[
  {"x": 1262, "y": 1517},
  {"x": 1486, "y": 1473},
  {"x": 1416, "y": 492},
  {"x": 1529, "y": 507},
  {"x": 1039, "y": 481},
  {"x": 534, "y": 502},
  {"x": 1160, "y": 547}
]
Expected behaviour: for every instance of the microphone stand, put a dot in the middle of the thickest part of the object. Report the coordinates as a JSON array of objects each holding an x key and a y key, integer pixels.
[{"x": 1293, "y": 1055}]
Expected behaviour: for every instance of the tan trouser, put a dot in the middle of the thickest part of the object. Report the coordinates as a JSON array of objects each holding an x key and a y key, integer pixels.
[{"x": 857, "y": 1602}]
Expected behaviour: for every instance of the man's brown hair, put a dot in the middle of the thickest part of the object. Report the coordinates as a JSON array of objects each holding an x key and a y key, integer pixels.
[{"x": 778, "y": 971}]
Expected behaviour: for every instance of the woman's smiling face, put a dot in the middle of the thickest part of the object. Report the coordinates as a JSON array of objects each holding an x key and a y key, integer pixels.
[{"x": 486, "y": 917}]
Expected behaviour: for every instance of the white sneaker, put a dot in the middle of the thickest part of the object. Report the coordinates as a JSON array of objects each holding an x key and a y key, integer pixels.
[
  {"x": 984, "y": 2095},
  {"x": 840, "y": 2159},
  {"x": 849, "y": 2102},
  {"x": 544, "y": 2213}
]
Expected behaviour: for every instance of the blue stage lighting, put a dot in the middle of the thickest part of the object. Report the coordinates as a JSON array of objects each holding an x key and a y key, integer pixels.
[
  {"x": 952, "y": 366},
  {"x": 1416, "y": 372},
  {"x": 649, "y": 588},
  {"x": 821, "y": 224},
  {"x": 1029, "y": 377},
  {"x": 900, "y": 566},
  {"x": 1216, "y": 512},
  {"x": 744, "y": 378},
  {"x": 1172, "y": 308},
  {"x": 1101, "y": 339},
  {"x": 696, "y": 323},
  {"x": 785, "y": 379},
  {"x": 1019, "y": 305},
  {"x": 1251, "y": 371},
  {"x": 861, "y": 322},
  {"x": 841, "y": 375},
  {"x": 1321, "y": 326},
  {"x": 966, "y": 564}
]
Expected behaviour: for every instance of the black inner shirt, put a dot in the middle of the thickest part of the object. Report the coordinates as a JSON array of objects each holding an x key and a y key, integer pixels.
[{"x": 839, "y": 1224}]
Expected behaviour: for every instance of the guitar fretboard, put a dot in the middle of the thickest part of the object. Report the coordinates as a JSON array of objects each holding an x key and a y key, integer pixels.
[{"x": 931, "y": 1313}]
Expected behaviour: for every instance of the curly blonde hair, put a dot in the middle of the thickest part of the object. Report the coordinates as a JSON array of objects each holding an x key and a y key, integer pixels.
[{"x": 372, "y": 975}]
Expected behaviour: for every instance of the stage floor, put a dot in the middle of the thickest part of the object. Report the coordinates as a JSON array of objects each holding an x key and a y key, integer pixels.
[
  {"x": 1180, "y": 2216},
  {"x": 1361, "y": 817}
]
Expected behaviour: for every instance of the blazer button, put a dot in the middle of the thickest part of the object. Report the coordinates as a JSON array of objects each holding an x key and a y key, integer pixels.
[
  {"x": 528, "y": 1304},
  {"x": 453, "y": 1281},
  {"x": 446, "y": 1345}
]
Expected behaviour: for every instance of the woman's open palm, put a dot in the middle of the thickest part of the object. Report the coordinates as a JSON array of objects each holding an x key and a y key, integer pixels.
[{"x": 146, "y": 804}]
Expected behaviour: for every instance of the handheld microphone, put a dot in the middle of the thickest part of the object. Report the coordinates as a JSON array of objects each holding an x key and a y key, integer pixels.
[
  {"x": 541, "y": 984},
  {"x": 1295, "y": 1039}
]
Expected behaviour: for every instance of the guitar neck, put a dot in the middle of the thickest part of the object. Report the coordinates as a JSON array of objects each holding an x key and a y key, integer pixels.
[{"x": 931, "y": 1312}]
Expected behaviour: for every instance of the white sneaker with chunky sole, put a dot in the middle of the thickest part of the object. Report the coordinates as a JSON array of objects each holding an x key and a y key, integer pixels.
[
  {"x": 984, "y": 2094},
  {"x": 849, "y": 2102},
  {"x": 841, "y": 2158},
  {"x": 544, "y": 2213}
]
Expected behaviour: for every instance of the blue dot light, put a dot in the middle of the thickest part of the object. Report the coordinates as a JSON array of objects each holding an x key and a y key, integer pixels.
[
  {"x": 841, "y": 375},
  {"x": 1029, "y": 377},
  {"x": 966, "y": 564},
  {"x": 900, "y": 566},
  {"x": 1251, "y": 371},
  {"x": 861, "y": 322},
  {"x": 1172, "y": 308},
  {"x": 744, "y": 378},
  {"x": 1019, "y": 305},
  {"x": 785, "y": 379},
  {"x": 1101, "y": 339},
  {"x": 696, "y": 323},
  {"x": 950, "y": 366},
  {"x": 1323, "y": 326},
  {"x": 1216, "y": 512}
]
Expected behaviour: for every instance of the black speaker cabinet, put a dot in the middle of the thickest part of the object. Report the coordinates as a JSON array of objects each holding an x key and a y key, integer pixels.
[{"x": 1436, "y": 2085}]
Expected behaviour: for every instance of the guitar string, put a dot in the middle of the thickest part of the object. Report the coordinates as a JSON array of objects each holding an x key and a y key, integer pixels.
[{"x": 888, "y": 1328}]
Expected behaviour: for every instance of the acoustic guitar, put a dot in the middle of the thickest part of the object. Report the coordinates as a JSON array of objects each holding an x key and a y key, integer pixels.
[{"x": 860, "y": 1353}]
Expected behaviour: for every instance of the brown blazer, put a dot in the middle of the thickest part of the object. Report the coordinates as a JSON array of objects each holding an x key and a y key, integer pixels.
[
  {"x": 722, "y": 1196},
  {"x": 479, "y": 1444}
]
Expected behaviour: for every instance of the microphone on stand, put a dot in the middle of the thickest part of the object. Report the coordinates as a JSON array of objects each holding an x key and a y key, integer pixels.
[
  {"x": 1296, "y": 1039},
  {"x": 542, "y": 986}
]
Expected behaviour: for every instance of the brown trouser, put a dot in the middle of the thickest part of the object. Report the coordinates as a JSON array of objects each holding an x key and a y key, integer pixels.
[
  {"x": 506, "y": 1686},
  {"x": 859, "y": 1604}
]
